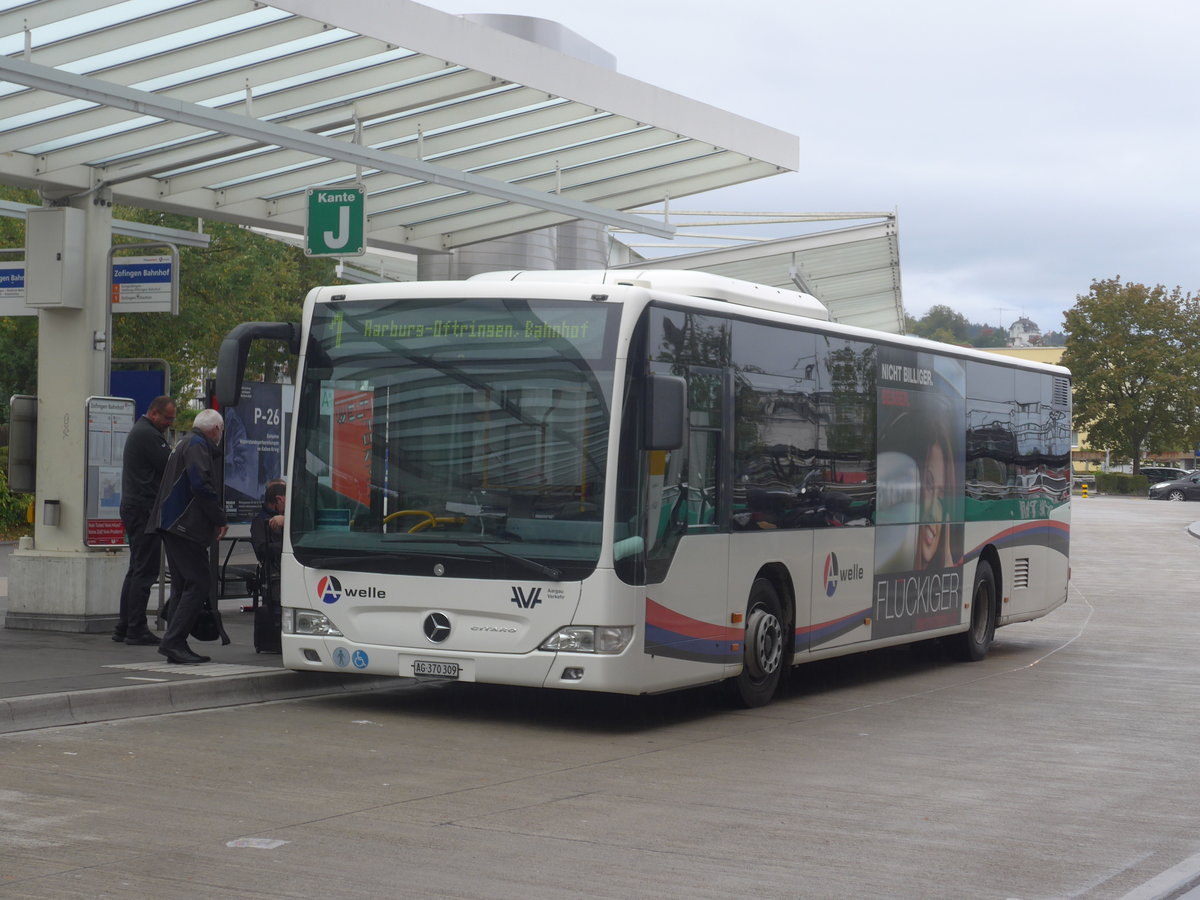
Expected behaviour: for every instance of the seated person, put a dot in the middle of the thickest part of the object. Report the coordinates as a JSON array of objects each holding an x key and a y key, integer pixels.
[{"x": 266, "y": 536}]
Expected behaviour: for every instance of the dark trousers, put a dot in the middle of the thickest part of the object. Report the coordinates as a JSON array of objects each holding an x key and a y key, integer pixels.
[
  {"x": 190, "y": 585},
  {"x": 143, "y": 571}
]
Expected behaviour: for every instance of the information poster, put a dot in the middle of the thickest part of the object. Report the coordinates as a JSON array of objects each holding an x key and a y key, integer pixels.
[
  {"x": 255, "y": 434},
  {"x": 109, "y": 422}
]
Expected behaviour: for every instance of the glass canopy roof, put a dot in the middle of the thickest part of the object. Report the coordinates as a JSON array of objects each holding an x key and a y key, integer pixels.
[{"x": 231, "y": 109}]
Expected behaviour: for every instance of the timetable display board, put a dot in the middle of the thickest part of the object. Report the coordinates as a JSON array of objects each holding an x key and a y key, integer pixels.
[{"x": 110, "y": 420}]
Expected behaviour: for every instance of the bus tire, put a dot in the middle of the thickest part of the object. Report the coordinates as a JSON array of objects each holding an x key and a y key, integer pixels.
[
  {"x": 972, "y": 645},
  {"x": 764, "y": 647}
]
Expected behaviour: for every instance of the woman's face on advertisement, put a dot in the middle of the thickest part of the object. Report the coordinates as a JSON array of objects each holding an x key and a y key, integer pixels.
[{"x": 933, "y": 493}]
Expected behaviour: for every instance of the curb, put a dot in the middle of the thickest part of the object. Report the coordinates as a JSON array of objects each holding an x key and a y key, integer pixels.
[{"x": 108, "y": 704}]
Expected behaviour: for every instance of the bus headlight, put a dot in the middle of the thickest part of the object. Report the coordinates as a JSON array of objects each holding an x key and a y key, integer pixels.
[
  {"x": 304, "y": 621},
  {"x": 590, "y": 639}
]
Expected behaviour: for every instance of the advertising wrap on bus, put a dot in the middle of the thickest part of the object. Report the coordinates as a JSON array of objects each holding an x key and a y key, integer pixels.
[{"x": 482, "y": 490}]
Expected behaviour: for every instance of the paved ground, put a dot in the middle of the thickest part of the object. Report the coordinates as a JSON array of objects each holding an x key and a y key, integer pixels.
[
  {"x": 1059, "y": 767},
  {"x": 54, "y": 678}
]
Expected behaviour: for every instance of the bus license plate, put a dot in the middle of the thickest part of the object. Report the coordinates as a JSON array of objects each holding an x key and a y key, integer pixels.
[{"x": 434, "y": 669}]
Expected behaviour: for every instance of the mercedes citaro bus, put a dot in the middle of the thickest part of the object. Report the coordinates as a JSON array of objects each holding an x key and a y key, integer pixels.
[{"x": 640, "y": 481}]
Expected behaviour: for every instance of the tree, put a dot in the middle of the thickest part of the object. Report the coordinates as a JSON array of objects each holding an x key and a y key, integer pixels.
[
  {"x": 18, "y": 334},
  {"x": 989, "y": 337},
  {"x": 240, "y": 277},
  {"x": 941, "y": 323},
  {"x": 1135, "y": 355}
]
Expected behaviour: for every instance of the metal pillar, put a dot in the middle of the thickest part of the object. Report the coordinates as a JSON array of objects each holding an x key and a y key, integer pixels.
[{"x": 55, "y": 582}]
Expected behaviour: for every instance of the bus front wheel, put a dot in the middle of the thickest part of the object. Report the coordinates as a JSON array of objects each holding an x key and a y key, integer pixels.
[
  {"x": 972, "y": 645},
  {"x": 764, "y": 647}
]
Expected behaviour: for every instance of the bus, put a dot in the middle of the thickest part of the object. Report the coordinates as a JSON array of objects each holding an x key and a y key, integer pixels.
[{"x": 640, "y": 481}]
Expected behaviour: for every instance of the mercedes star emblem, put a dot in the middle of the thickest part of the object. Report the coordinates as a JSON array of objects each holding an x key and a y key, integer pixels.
[{"x": 437, "y": 627}]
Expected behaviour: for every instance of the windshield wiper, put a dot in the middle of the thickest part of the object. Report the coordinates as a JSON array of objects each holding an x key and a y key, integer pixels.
[
  {"x": 549, "y": 571},
  {"x": 382, "y": 562}
]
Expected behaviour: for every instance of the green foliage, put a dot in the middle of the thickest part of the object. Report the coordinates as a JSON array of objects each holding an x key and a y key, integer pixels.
[
  {"x": 240, "y": 277},
  {"x": 1120, "y": 483},
  {"x": 1135, "y": 355},
  {"x": 14, "y": 511},
  {"x": 18, "y": 358},
  {"x": 18, "y": 334},
  {"x": 943, "y": 324},
  {"x": 987, "y": 336}
]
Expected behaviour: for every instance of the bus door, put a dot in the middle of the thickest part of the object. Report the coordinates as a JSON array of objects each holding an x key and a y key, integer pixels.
[{"x": 686, "y": 609}]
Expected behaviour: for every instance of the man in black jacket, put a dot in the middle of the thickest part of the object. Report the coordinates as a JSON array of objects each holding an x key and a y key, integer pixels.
[
  {"x": 188, "y": 513},
  {"x": 143, "y": 461}
]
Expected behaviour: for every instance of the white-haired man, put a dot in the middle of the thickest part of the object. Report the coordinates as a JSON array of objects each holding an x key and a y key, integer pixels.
[{"x": 188, "y": 513}]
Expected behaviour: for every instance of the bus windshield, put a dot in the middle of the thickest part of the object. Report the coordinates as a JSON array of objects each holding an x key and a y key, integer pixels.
[{"x": 464, "y": 434}]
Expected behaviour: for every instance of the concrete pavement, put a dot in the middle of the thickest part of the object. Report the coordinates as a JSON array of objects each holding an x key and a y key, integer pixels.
[
  {"x": 52, "y": 678},
  {"x": 55, "y": 678}
]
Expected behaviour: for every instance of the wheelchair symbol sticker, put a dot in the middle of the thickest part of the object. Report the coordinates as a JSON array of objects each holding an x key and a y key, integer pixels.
[{"x": 359, "y": 659}]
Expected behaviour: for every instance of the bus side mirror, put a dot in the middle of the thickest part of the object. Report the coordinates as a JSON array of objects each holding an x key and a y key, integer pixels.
[
  {"x": 666, "y": 412},
  {"x": 231, "y": 357}
]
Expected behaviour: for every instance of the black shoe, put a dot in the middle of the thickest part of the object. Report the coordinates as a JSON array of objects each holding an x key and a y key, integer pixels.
[
  {"x": 182, "y": 655},
  {"x": 145, "y": 639},
  {"x": 118, "y": 637}
]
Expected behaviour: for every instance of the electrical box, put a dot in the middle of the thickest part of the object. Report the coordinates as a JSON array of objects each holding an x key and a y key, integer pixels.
[{"x": 54, "y": 258}]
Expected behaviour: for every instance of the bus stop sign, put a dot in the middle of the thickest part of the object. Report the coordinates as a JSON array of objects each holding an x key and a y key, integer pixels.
[{"x": 336, "y": 222}]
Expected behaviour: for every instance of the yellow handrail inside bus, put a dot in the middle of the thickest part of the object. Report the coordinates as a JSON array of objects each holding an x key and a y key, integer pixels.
[{"x": 429, "y": 520}]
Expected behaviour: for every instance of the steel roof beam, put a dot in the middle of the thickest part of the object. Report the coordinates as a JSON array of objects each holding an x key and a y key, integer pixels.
[
  {"x": 93, "y": 90},
  {"x": 149, "y": 142},
  {"x": 509, "y": 161},
  {"x": 476, "y": 46},
  {"x": 257, "y": 176},
  {"x": 258, "y": 76},
  {"x": 140, "y": 230}
]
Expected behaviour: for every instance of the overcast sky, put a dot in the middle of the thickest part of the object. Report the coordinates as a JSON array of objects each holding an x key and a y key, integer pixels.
[{"x": 1028, "y": 146}]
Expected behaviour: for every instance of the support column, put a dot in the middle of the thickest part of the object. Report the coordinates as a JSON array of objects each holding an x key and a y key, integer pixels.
[{"x": 55, "y": 582}]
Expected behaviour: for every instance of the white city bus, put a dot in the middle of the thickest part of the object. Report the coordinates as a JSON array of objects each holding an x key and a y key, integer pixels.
[{"x": 636, "y": 482}]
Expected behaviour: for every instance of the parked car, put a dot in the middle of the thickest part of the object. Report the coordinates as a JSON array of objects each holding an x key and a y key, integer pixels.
[
  {"x": 1180, "y": 489},
  {"x": 1155, "y": 474}
]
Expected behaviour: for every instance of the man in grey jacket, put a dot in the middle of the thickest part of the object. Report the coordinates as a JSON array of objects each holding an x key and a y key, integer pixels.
[{"x": 188, "y": 513}]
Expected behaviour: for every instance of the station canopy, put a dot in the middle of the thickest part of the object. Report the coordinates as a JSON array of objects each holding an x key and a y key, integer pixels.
[
  {"x": 460, "y": 133},
  {"x": 854, "y": 271}
]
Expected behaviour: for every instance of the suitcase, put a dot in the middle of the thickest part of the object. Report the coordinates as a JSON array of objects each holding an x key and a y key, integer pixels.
[{"x": 268, "y": 621}]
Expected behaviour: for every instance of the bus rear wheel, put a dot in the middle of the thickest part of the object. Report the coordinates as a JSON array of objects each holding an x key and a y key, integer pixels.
[
  {"x": 765, "y": 646},
  {"x": 972, "y": 645}
]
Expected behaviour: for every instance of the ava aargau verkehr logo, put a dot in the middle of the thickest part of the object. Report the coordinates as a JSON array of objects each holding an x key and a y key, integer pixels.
[
  {"x": 831, "y": 574},
  {"x": 329, "y": 589}
]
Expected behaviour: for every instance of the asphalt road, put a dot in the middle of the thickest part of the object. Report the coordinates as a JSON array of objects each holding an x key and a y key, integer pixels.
[{"x": 1062, "y": 766}]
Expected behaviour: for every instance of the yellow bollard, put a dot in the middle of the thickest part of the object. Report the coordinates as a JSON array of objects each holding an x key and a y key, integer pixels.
[{"x": 1085, "y": 490}]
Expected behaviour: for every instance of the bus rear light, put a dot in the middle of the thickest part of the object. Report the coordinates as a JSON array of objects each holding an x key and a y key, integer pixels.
[{"x": 589, "y": 639}]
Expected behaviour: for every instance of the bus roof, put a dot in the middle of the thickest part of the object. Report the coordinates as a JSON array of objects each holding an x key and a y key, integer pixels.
[
  {"x": 688, "y": 282},
  {"x": 684, "y": 283}
]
